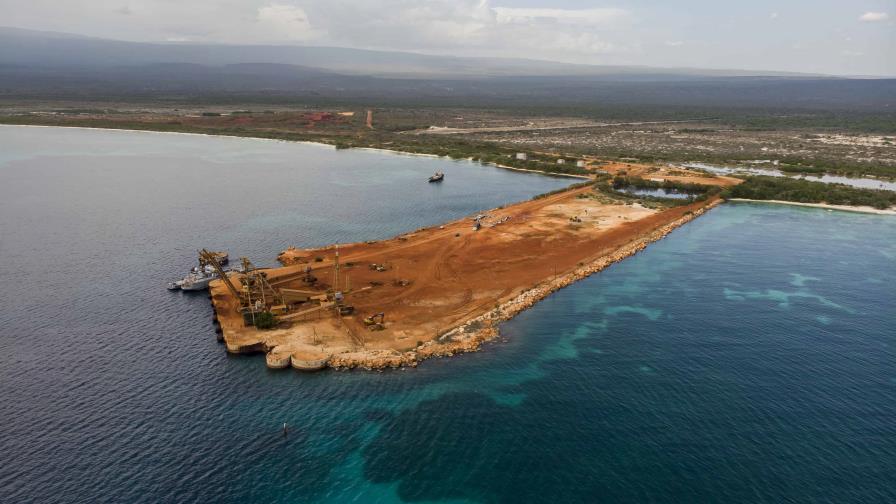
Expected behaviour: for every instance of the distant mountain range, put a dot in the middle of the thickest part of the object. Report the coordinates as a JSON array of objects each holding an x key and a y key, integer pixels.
[
  {"x": 47, "y": 64},
  {"x": 27, "y": 47}
]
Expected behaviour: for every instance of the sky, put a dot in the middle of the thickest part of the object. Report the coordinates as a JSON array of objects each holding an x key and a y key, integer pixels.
[{"x": 841, "y": 37}]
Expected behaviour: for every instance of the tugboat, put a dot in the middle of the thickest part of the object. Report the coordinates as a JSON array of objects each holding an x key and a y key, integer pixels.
[{"x": 437, "y": 177}]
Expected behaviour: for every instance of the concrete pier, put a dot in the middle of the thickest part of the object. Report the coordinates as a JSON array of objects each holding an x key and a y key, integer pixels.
[
  {"x": 309, "y": 361},
  {"x": 278, "y": 360}
]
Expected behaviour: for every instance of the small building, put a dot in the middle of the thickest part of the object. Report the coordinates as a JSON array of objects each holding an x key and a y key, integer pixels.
[
  {"x": 522, "y": 156},
  {"x": 580, "y": 163},
  {"x": 561, "y": 161}
]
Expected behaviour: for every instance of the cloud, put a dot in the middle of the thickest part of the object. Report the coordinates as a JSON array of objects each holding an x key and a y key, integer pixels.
[
  {"x": 537, "y": 29},
  {"x": 461, "y": 27},
  {"x": 472, "y": 27},
  {"x": 287, "y": 22},
  {"x": 874, "y": 16},
  {"x": 574, "y": 17}
]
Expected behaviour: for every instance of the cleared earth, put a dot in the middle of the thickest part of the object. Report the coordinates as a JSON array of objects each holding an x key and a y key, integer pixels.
[{"x": 431, "y": 282}]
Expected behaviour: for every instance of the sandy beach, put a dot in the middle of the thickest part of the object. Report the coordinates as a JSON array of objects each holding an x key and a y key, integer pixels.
[{"x": 844, "y": 208}]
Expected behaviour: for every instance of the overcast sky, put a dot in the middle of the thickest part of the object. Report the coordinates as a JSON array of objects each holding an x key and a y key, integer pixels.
[{"x": 847, "y": 37}]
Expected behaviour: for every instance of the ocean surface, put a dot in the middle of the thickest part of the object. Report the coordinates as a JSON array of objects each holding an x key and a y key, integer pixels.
[{"x": 748, "y": 357}]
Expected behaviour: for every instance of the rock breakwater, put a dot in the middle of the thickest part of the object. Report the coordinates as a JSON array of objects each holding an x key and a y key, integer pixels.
[{"x": 469, "y": 336}]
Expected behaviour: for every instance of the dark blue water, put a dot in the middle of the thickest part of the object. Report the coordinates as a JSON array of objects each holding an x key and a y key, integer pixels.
[{"x": 748, "y": 357}]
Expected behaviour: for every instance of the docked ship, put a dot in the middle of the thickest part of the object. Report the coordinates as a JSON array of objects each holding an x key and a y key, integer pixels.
[
  {"x": 197, "y": 279},
  {"x": 202, "y": 275},
  {"x": 197, "y": 282}
]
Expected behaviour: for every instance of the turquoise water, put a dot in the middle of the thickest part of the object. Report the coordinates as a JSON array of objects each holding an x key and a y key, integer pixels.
[{"x": 748, "y": 357}]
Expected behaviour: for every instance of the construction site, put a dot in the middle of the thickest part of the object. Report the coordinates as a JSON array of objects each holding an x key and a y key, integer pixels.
[{"x": 434, "y": 291}]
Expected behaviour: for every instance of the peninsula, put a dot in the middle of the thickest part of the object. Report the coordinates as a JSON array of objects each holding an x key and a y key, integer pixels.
[{"x": 443, "y": 290}]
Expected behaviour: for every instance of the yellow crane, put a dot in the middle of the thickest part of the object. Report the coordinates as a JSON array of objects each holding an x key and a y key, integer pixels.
[{"x": 210, "y": 259}]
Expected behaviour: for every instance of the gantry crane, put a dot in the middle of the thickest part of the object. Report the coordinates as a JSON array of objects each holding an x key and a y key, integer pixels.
[{"x": 207, "y": 258}]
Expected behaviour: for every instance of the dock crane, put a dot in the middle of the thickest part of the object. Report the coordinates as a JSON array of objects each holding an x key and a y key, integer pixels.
[
  {"x": 259, "y": 296},
  {"x": 207, "y": 258},
  {"x": 256, "y": 294},
  {"x": 255, "y": 282}
]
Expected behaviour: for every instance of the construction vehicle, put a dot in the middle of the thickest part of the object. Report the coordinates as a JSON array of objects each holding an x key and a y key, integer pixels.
[
  {"x": 309, "y": 278},
  {"x": 376, "y": 322}
]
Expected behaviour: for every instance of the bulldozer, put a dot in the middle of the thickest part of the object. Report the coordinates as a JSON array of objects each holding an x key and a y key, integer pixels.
[{"x": 376, "y": 321}]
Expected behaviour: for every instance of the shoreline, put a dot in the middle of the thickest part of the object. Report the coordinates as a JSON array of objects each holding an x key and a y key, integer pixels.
[
  {"x": 469, "y": 335},
  {"x": 307, "y": 142},
  {"x": 160, "y": 132},
  {"x": 569, "y": 175},
  {"x": 824, "y": 206},
  {"x": 438, "y": 301},
  {"x": 745, "y": 170}
]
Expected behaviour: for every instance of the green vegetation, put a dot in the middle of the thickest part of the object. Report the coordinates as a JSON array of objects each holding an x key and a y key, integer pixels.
[
  {"x": 712, "y": 135},
  {"x": 836, "y": 167},
  {"x": 864, "y": 121},
  {"x": 265, "y": 320},
  {"x": 564, "y": 189},
  {"x": 341, "y": 136},
  {"x": 809, "y": 163},
  {"x": 615, "y": 186},
  {"x": 542, "y": 163},
  {"x": 670, "y": 185},
  {"x": 804, "y": 191}
]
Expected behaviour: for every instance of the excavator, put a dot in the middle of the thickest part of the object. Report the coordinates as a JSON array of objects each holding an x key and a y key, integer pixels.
[{"x": 376, "y": 321}]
